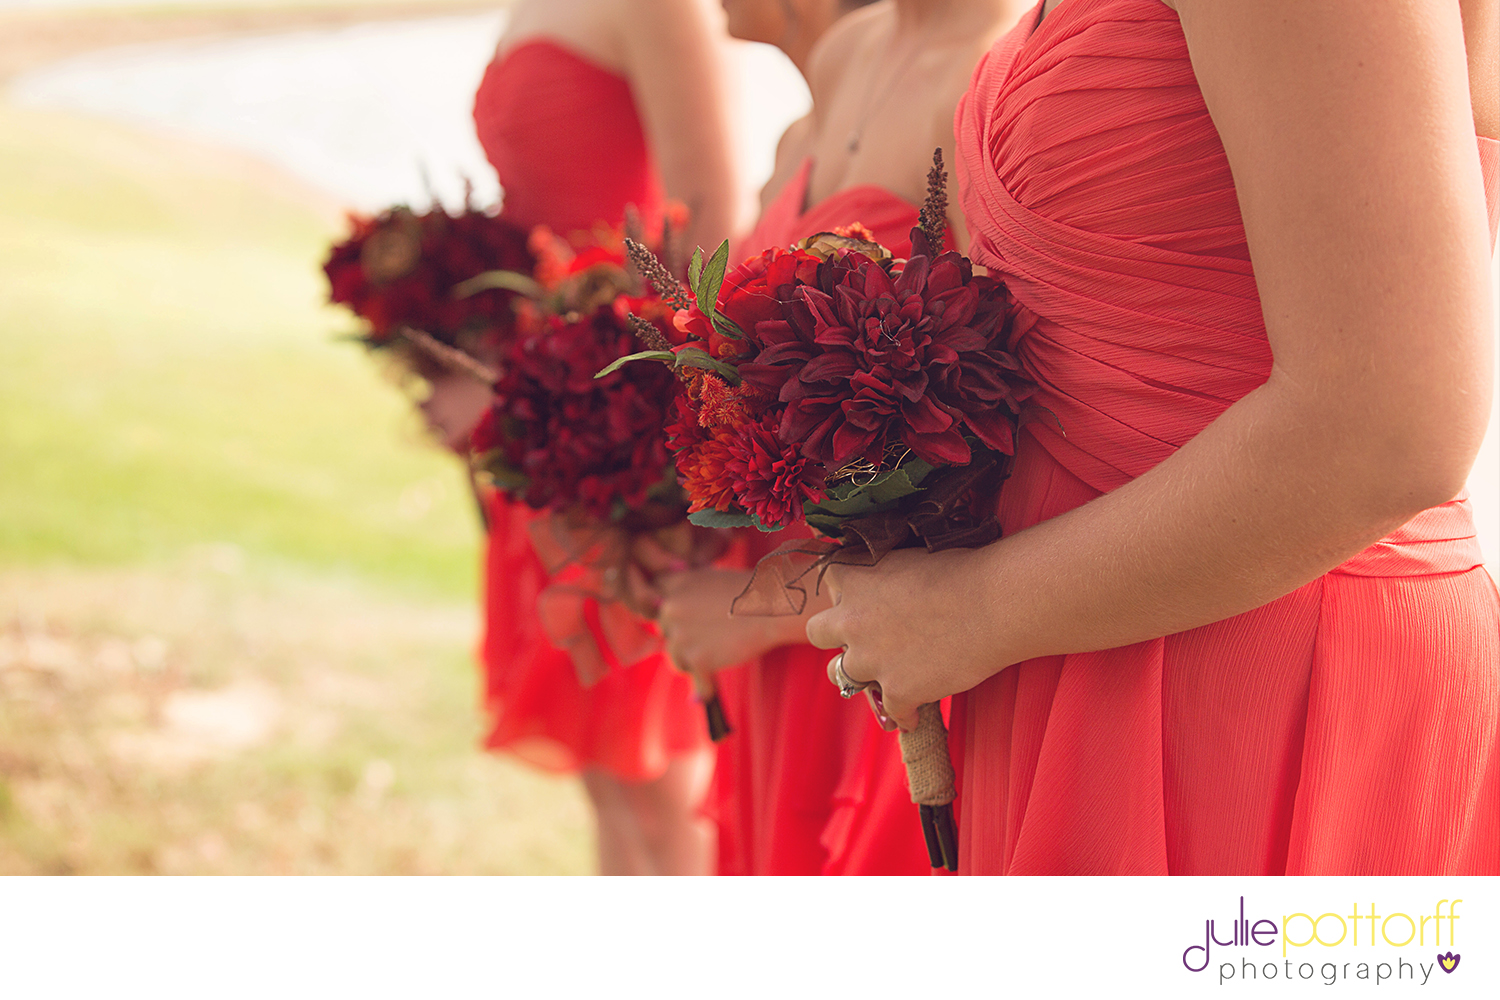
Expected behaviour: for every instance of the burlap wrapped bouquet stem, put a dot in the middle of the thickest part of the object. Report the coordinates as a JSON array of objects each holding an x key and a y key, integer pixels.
[{"x": 929, "y": 773}]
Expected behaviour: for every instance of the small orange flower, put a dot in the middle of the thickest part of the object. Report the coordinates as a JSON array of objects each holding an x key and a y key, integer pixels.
[
  {"x": 703, "y": 476},
  {"x": 855, "y": 231}
]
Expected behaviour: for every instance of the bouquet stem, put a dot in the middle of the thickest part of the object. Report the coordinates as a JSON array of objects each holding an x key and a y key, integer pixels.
[
  {"x": 929, "y": 772},
  {"x": 450, "y": 356},
  {"x": 718, "y": 724}
]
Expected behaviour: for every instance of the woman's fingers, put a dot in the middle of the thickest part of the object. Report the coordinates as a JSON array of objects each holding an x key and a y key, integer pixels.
[
  {"x": 893, "y": 713},
  {"x": 661, "y": 552},
  {"x": 859, "y": 662},
  {"x": 832, "y": 582},
  {"x": 640, "y": 594},
  {"x": 834, "y": 663},
  {"x": 825, "y": 629},
  {"x": 877, "y": 705}
]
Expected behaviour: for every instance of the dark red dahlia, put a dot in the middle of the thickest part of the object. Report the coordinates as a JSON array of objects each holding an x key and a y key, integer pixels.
[{"x": 870, "y": 361}]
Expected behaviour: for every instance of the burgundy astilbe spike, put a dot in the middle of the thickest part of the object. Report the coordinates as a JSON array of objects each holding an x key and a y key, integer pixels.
[
  {"x": 648, "y": 333},
  {"x": 934, "y": 218},
  {"x": 668, "y": 287}
]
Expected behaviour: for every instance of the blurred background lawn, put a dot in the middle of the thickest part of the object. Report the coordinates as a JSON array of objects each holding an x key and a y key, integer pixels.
[{"x": 237, "y": 588}]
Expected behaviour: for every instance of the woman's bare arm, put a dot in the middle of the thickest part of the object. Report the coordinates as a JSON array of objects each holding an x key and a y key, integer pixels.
[
  {"x": 1348, "y": 127},
  {"x": 674, "y": 55}
]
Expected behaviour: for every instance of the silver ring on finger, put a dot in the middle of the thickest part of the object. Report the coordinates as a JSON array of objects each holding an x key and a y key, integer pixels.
[{"x": 848, "y": 686}]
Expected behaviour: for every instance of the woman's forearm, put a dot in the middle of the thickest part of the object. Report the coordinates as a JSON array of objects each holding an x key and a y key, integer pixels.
[
  {"x": 1252, "y": 508},
  {"x": 1270, "y": 496},
  {"x": 1370, "y": 265}
]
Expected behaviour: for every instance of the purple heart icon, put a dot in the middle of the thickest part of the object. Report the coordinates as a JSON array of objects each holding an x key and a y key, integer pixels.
[{"x": 1449, "y": 962}]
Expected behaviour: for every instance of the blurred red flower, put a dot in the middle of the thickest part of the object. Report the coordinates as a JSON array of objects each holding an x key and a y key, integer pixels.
[{"x": 399, "y": 268}]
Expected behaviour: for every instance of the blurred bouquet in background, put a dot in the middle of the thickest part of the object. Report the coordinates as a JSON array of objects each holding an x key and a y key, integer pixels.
[
  {"x": 399, "y": 269},
  {"x": 590, "y": 454}
]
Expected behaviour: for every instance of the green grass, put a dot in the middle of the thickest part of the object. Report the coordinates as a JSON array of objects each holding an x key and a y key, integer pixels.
[
  {"x": 214, "y": 514},
  {"x": 169, "y": 377}
]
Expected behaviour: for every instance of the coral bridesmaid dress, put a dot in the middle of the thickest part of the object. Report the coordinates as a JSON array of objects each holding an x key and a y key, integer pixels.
[
  {"x": 809, "y": 783},
  {"x": 1349, "y": 727},
  {"x": 564, "y": 136}
]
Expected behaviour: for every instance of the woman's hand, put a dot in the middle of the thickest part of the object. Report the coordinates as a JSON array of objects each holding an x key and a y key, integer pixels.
[
  {"x": 703, "y": 638},
  {"x": 454, "y": 404},
  {"x": 918, "y": 624}
]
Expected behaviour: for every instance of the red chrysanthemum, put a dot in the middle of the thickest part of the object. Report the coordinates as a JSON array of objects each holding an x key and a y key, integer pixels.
[
  {"x": 771, "y": 480},
  {"x": 702, "y": 472},
  {"x": 599, "y": 443}
]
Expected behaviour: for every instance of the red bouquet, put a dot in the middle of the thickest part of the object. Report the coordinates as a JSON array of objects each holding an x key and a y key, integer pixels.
[
  {"x": 399, "y": 270},
  {"x": 590, "y": 453},
  {"x": 556, "y": 438},
  {"x": 832, "y": 385},
  {"x": 872, "y": 399}
]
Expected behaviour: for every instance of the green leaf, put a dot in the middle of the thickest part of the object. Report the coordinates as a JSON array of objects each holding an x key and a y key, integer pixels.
[
  {"x": 696, "y": 357},
  {"x": 712, "y": 279},
  {"x": 664, "y": 356},
  {"x": 726, "y": 326},
  {"x": 880, "y": 493},
  {"x": 857, "y": 503},
  {"x": 707, "y": 278},
  {"x": 898, "y": 483},
  {"x": 503, "y": 476},
  {"x": 711, "y": 518},
  {"x": 510, "y": 281}
]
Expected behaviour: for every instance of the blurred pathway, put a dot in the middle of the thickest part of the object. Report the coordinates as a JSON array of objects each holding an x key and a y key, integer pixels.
[
  {"x": 373, "y": 113},
  {"x": 361, "y": 112}
]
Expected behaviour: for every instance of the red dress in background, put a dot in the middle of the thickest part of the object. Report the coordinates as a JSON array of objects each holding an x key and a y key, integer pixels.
[
  {"x": 1350, "y": 727},
  {"x": 809, "y": 784},
  {"x": 564, "y": 136}
]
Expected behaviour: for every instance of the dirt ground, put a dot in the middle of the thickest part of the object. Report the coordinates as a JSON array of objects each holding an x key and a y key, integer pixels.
[{"x": 199, "y": 721}]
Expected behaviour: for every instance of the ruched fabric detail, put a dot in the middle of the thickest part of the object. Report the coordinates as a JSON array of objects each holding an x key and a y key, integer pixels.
[
  {"x": 1349, "y": 727},
  {"x": 566, "y": 139}
]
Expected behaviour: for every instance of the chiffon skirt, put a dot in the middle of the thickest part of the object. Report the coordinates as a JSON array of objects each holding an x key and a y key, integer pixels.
[
  {"x": 1348, "y": 728},
  {"x": 630, "y": 724}
]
